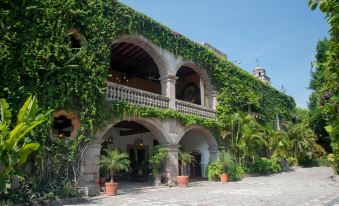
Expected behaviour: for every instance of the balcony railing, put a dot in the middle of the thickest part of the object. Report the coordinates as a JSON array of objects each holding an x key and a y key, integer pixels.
[
  {"x": 194, "y": 109},
  {"x": 143, "y": 98},
  {"x": 136, "y": 96}
]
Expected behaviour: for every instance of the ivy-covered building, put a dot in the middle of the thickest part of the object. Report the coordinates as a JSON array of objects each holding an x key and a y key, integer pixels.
[{"x": 118, "y": 79}]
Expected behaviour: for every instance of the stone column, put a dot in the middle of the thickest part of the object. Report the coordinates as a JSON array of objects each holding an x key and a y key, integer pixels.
[
  {"x": 89, "y": 174},
  {"x": 213, "y": 151},
  {"x": 202, "y": 93},
  {"x": 212, "y": 99},
  {"x": 168, "y": 89},
  {"x": 172, "y": 165}
]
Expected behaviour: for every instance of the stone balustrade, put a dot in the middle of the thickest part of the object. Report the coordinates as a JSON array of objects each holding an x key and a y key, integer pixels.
[
  {"x": 136, "y": 96},
  {"x": 143, "y": 98},
  {"x": 194, "y": 109}
]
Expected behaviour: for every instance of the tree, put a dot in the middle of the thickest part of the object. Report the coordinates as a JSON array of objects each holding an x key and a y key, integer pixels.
[
  {"x": 328, "y": 92},
  {"x": 158, "y": 156},
  {"x": 15, "y": 146},
  {"x": 185, "y": 159},
  {"x": 243, "y": 136},
  {"x": 115, "y": 161}
]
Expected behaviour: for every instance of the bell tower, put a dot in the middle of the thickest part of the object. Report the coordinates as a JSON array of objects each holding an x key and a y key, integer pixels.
[{"x": 260, "y": 73}]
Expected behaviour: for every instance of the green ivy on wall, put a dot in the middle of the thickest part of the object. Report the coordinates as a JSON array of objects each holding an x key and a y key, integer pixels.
[{"x": 36, "y": 58}]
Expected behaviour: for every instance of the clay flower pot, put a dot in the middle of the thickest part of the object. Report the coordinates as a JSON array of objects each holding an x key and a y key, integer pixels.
[
  {"x": 111, "y": 188},
  {"x": 223, "y": 178},
  {"x": 182, "y": 181}
]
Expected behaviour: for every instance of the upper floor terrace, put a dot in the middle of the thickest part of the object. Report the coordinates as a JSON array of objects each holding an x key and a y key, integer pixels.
[{"x": 144, "y": 74}]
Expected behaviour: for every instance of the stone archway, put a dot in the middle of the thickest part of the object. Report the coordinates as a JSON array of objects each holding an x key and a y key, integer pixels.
[
  {"x": 157, "y": 54},
  {"x": 197, "y": 138},
  {"x": 191, "y": 77},
  {"x": 89, "y": 174}
]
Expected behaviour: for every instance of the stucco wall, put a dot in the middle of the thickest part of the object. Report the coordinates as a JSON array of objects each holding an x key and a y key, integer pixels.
[{"x": 194, "y": 141}]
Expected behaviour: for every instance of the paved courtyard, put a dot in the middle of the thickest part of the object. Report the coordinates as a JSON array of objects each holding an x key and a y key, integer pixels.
[{"x": 303, "y": 186}]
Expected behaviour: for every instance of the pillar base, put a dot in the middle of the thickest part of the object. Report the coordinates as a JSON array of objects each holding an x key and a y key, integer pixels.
[{"x": 93, "y": 190}]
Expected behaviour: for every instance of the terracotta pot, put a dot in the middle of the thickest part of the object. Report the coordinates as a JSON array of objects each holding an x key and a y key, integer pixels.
[
  {"x": 102, "y": 181},
  {"x": 111, "y": 188},
  {"x": 182, "y": 181},
  {"x": 223, "y": 178}
]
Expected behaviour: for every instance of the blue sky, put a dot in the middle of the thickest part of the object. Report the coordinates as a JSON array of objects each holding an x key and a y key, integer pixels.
[{"x": 281, "y": 34}]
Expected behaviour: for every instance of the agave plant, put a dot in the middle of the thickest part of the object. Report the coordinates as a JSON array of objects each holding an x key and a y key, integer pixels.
[
  {"x": 15, "y": 146},
  {"x": 115, "y": 161}
]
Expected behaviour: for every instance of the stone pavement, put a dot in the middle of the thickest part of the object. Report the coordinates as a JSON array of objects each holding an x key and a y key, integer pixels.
[{"x": 303, "y": 186}]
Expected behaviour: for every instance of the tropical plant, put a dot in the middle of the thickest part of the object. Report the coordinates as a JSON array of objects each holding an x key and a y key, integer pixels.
[
  {"x": 185, "y": 159},
  {"x": 226, "y": 161},
  {"x": 278, "y": 143},
  {"x": 267, "y": 166},
  {"x": 326, "y": 94},
  {"x": 15, "y": 146},
  {"x": 158, "y": 156},
  {"x": 243, "y": 136},
  {"x": 115, "y": 161},
  {"x": 302, "y": 140},
  {"x": 214, "y": 169}
]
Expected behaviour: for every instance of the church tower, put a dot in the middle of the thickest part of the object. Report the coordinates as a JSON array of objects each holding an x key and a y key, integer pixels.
[{"x": 260, "y": 73}]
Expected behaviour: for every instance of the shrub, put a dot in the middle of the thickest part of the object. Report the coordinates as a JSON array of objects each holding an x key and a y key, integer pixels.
[
  {"x": 267, "y": 166},
  {"x": 236, "y": 173},
  {"x": 224, "y": 163},
  {"x": 292, "y": 161},
  {"x": 309, "y": 162},
  {"x": 214, "y": 170}
]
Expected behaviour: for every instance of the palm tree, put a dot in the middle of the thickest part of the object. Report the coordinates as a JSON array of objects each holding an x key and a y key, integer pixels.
[
  {"x": 115, "y": 161},
  {"x": 302, "y": 139},
  {"x": 185, "y": 159},
  {"x": 243, "y": 136}
]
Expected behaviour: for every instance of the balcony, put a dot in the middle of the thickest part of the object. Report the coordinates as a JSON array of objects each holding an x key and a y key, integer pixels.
[{"x": 143, "y": 98}]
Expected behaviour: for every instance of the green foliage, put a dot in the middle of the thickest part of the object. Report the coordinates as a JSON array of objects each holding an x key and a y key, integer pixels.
[
  {"x": 57, "y": 188},
  {"x": 326, "y": 94},
  {"x": 267, "y": 166},
  {"x": 226, "y": 161},
  {"x": 333, "y": 161},
  {"x": 15, "y": 146},
  {"x": 214, "y": 170},
  {"x": 224, "y": 164},
  {"x": 115, "y": 161},
  {"x": 292, "y": 161},
  {"x": 243, "y": 137},
  {"x": 185, "y": 159},
  {"x": 158, "y": 156}
]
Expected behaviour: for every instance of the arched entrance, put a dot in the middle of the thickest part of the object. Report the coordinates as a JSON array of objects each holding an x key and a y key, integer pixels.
[
  {"x": 201, "y": 144},
  {"x": 135, "y": 140}
]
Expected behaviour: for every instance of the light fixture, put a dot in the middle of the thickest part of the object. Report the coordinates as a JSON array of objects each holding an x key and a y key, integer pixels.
[
  {"x": 61, "y": 135},
  {"x": 139, "y": 142},
  {"x": 110, "y": 138}
]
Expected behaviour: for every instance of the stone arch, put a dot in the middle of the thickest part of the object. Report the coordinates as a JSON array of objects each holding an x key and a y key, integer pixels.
[
  {"x": 200, "y": 71},
  {"x": 152, "y": 50},
  {"x": 152, "y": 125},
  {"x": 212, "y": 143}
]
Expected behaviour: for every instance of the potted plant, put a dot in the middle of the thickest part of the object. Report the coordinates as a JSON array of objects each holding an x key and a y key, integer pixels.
[
  {"x": 102, "y": 177},
  {"x": 185, "y": 159},
  {"x": 158, "y": 156},
  {"x": 225, "y": 161},
  {"x": 114, "y": 161}
]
